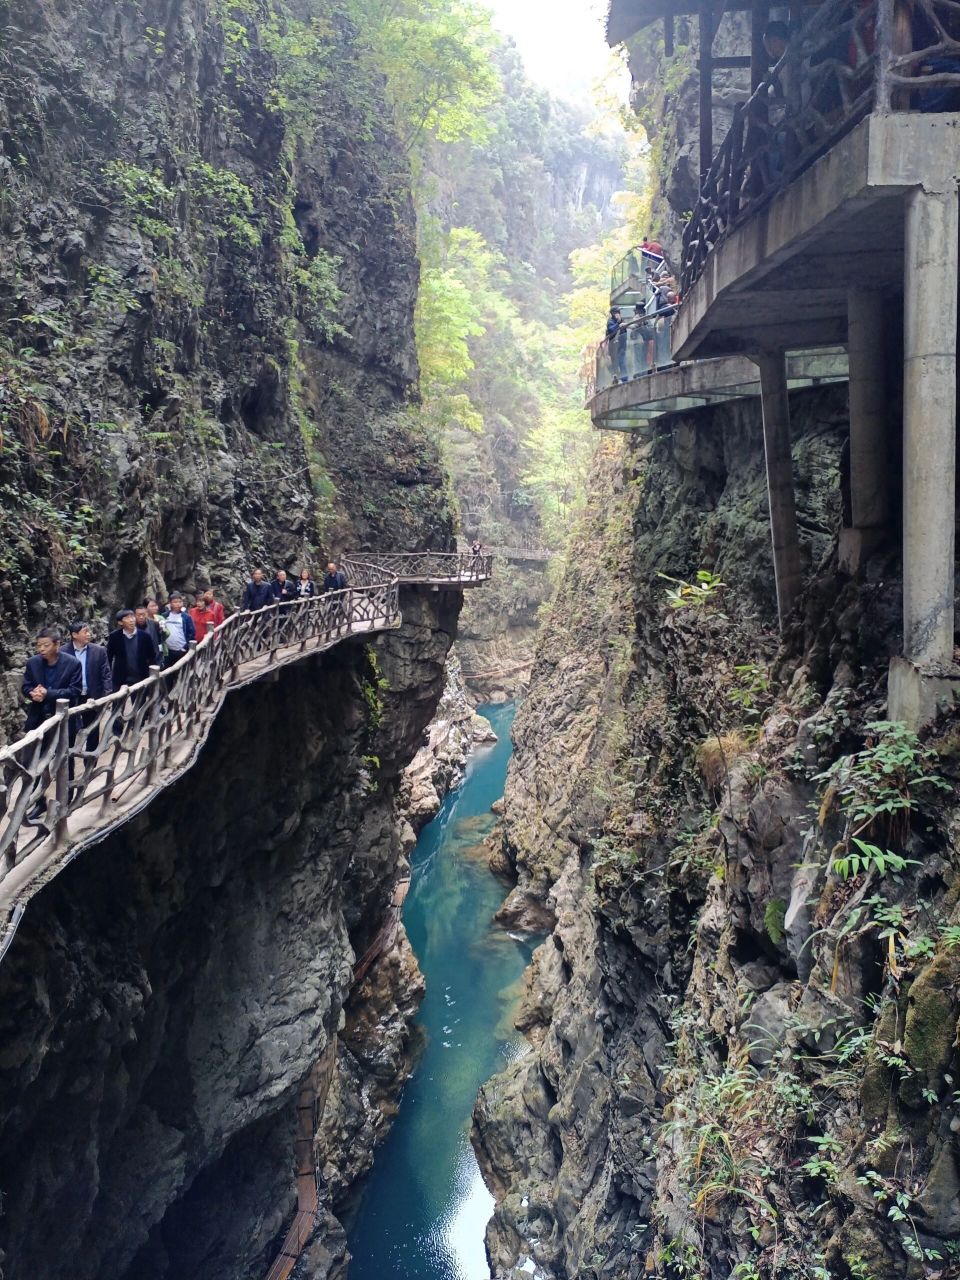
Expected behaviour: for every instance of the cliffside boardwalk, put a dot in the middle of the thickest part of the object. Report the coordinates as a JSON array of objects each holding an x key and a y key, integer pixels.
[{"x": 98, "y": 765}]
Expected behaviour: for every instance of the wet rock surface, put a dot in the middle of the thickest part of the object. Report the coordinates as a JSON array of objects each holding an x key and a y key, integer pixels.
[{"x": 438, "y": 765}]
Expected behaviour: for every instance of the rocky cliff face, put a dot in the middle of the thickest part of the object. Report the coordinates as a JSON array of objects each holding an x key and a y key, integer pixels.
[
  {"x": 206, "y": 300},
  {"x": 743, "y": 1044},
  {"x": 497, "y": 633},
  {"x": 665, "y": 96},
  {"x": 166, "y": 996}
]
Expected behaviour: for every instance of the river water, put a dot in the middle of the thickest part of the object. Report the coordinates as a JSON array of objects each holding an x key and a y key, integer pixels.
[{"x": 424, "y": 1207}]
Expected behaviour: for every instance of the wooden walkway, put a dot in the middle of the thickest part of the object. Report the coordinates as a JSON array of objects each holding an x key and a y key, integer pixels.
[{"x": 92, "y": 768}]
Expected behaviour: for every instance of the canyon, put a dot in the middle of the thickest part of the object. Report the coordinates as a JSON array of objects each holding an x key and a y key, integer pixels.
[{"x": 282, "y": 282}]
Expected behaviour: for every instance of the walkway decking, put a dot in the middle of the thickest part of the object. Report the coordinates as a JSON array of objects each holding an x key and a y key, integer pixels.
[{"x": 97, "y": 766}]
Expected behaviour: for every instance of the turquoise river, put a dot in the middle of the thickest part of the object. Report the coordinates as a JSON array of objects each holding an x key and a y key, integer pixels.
[{"x": 424, "y": 1207}]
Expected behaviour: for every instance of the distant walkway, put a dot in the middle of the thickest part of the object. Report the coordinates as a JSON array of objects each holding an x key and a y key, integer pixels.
[
  {"x": 92, "y": 768},
  {"x": 535, "y": 555}
]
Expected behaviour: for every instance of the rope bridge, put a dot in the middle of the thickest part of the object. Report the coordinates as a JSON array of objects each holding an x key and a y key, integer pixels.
[{"x": 87, "y": 770}]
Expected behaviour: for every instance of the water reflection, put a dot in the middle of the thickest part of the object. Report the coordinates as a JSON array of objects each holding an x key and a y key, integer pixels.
[{"x": 425, "y": 1208}]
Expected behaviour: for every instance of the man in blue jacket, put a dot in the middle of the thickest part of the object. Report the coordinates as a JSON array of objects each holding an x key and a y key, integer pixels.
[
  {"x": 97, "y": 678},
  {"x": 48, "y": 676},
  {"x": 94, "y": 663},
  {"x": 258, "y": 593}
]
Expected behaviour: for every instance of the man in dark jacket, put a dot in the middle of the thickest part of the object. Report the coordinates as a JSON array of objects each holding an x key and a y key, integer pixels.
[
  {"x": 283, "y": 588},
  {"x": 155, "y": 627},
  {"x": 617, "y": 345},
  {"x": 258, "y": 594},
  {"x": 335, "y": 579},
  {"x": 48, "y": 676},
  {"x": 97, "y": 677},
  {"x": 130, "y": 651}
]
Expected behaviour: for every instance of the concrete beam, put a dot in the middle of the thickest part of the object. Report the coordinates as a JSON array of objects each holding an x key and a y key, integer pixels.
[
  {"x": 929, "y": 425},
  {"x": 783, "y": 510},
  {"x": 678, "y": 387}
]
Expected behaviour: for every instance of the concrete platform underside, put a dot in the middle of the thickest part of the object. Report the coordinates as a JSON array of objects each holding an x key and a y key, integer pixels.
[
  {"x": 635, "y": 404},
  {"x": 781, "y": 280}
]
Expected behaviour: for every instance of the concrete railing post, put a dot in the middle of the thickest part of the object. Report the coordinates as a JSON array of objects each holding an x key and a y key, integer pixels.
[
  {"x": 274, "y": 632},
  {"x": 929, "y": 424},
  {"x": 780, "y": 495},
  {"x": 62, "y": 777},
  {"x": 869, "y": 465}
]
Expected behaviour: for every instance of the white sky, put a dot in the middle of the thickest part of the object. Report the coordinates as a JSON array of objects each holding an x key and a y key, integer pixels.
[{"x": 561, "y": 41}]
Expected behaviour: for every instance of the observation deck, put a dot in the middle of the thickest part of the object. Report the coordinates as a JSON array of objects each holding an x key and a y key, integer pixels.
[
  {"x": 94, "y": 767},
  {"x": 829, "y": 215}
]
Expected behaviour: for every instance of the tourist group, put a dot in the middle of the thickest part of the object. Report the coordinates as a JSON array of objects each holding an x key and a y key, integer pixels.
[{"x": 81, "y": 671}]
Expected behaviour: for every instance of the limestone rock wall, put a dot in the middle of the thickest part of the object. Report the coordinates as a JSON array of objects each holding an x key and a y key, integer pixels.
[
  {"x": 740, "y": 1059},
  {"x": 498, "y": 632},
  {"x": 206, "y": 307}
]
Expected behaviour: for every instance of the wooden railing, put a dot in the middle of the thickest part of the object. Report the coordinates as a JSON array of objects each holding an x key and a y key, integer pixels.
[
  {"x": 536, "y": 555},
  {"x": 822, "y": 86},
  {"x": 88, "y": 769},
  {"x": 847, "y": 60},
  {"x": 445, "y": 568}
]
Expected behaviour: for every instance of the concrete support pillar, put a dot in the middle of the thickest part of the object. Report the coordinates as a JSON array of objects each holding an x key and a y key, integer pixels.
[
  {"x": 929, "y": 425},
  {"x": 783, "y": 511},
  {"x": 869, "y": 456}
]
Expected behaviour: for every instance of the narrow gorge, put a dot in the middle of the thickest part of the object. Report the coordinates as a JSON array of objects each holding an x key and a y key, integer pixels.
[{"x": 543, "y": 866}]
